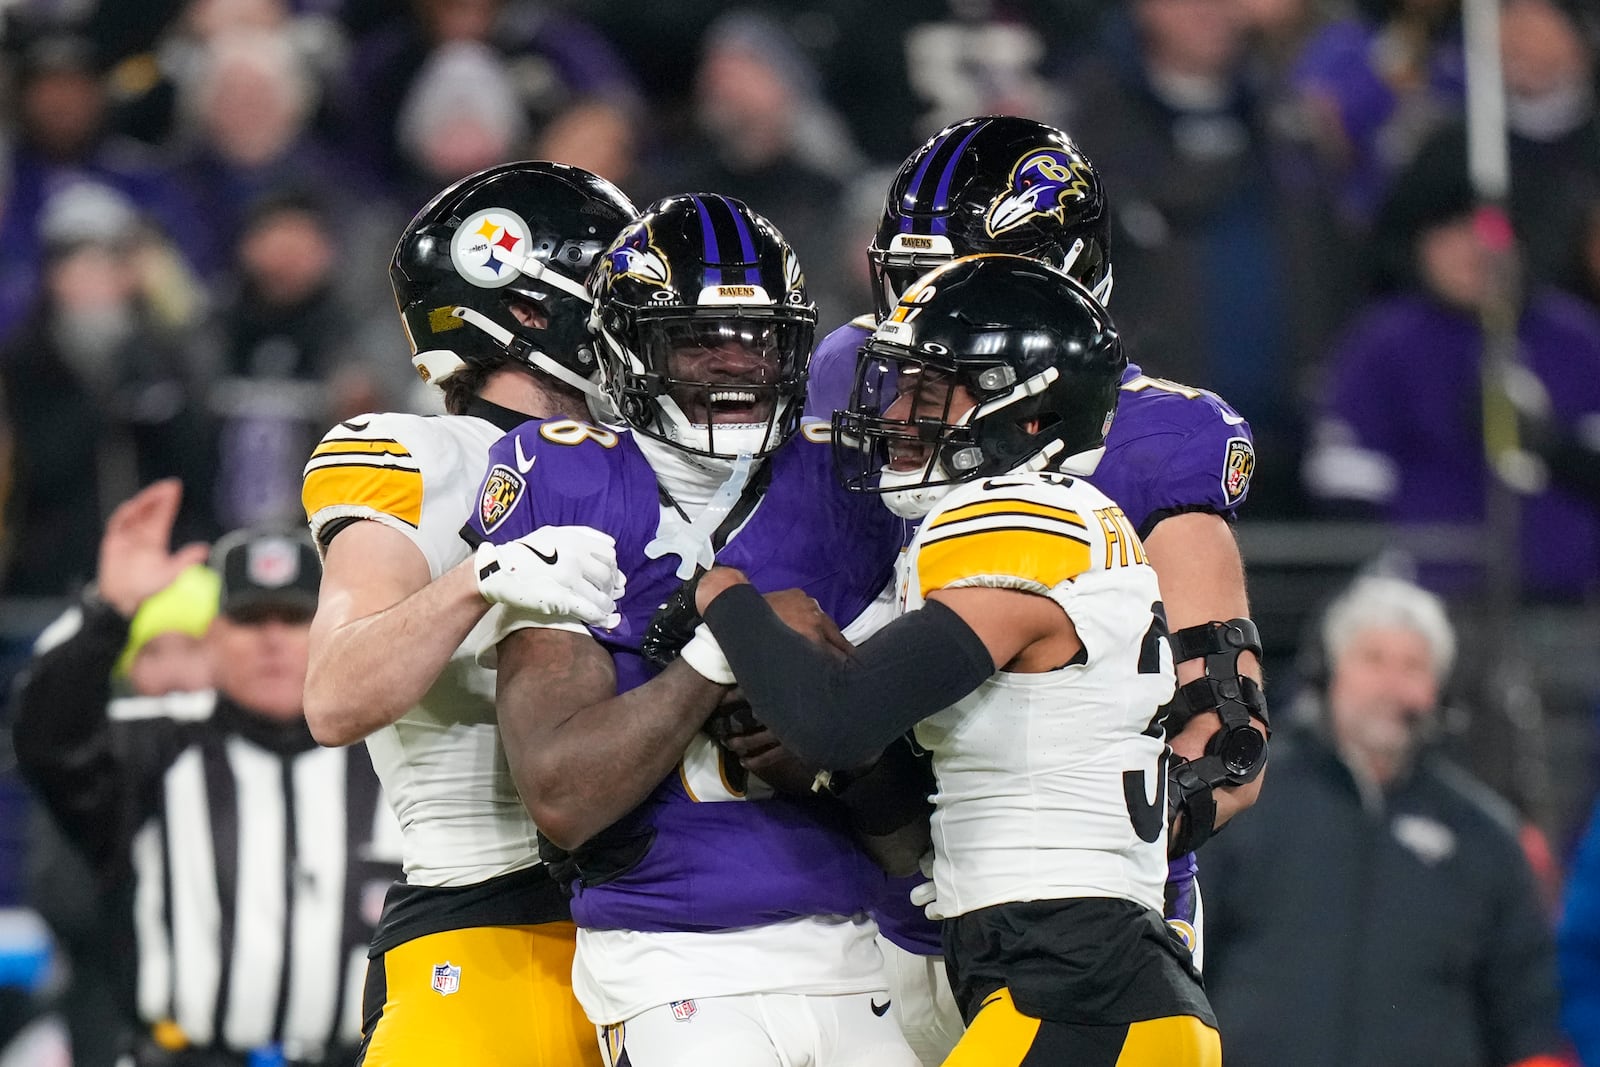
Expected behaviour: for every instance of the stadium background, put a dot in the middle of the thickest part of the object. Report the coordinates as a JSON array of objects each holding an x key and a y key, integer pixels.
[{"x": 198, "y": 200}]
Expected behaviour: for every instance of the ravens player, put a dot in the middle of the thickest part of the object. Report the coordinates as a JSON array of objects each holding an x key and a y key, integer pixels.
[
  {"x": 1030, "y": 656},
  {"x": 1178, "y": 461},
  {"x": 720, "y": 919},
  {"x": 472, "y": 959}
]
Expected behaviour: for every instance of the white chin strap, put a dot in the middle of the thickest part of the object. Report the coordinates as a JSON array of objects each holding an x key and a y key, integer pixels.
[
  {"x": 1102, "y": 289},
  {"x": 906, "y": 496},
  {"x": 438, "y": 364},
  {"x": 731, "y": 439},
  {"x": 539, "y": 271}
]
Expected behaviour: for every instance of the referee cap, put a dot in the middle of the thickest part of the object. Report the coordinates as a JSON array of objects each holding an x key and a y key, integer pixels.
[{"x": 266, "y": 570}]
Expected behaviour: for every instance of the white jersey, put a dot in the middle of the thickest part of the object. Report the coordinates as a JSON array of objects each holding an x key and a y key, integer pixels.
[
  {"x": 442, "y": 763},
  {"x": 1051, "y": 785}
]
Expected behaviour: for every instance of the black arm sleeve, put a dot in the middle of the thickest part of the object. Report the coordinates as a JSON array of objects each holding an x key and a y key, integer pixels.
[
  {"x": 63, "y": 738},
  {"x": 842, "y": 712}
]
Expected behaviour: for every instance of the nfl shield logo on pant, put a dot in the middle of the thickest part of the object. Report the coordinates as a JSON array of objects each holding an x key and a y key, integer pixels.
[
  {"x": 683, "y": 1010},
  {"x": 446, "y": 979}
]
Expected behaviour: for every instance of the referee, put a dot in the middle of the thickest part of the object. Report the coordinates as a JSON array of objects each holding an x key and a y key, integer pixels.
[{"x": 247, "y": 861}]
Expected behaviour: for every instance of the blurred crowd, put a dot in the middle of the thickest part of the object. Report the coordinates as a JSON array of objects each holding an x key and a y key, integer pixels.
[{"x": 198, "y": 199}]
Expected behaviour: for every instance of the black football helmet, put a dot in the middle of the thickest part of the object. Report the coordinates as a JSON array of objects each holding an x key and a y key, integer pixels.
[
  {"x": 993, "y": 184},
  {"x": 1037, "y": 353},
  {"x": 516, "y": 232},
  {"x": 705, "y": 327}
]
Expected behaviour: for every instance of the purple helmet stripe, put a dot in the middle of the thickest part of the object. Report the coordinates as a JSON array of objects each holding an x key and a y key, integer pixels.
[
  {"x": 908, "y": 203},
  {"x": 747, "y": 243},
  {"x": 708, "y": 240},
  {"x": 941, "y": 194}
]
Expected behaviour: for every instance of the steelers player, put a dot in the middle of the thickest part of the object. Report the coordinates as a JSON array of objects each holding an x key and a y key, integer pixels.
[
  {"x": 472, "y": 960},
  {"x": 1031, "y": 658}
]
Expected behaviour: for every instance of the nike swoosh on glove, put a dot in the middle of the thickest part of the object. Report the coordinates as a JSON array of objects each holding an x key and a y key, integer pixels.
[{"x": 561, "y": 572}]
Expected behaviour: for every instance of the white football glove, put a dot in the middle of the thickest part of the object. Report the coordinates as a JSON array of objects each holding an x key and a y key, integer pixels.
[{"x": 559, "y": 572}]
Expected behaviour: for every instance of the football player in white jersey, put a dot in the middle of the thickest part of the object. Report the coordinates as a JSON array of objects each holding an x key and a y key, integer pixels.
[
  {"x": 1030, "y": 656},
  {"x": 472, "y": 960},
  {"x": 1178, "y": 462}
]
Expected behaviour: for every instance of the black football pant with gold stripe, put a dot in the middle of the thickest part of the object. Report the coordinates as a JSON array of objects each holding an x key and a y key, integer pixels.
[
  {"x": 504, "y": 1000},
  {"x": 1002, "y": 1036}
]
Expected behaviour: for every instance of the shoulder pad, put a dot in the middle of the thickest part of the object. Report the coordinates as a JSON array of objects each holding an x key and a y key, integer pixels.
[
  {"x": 367, "y": 463},
  {"x": 1027, "y": 531}
]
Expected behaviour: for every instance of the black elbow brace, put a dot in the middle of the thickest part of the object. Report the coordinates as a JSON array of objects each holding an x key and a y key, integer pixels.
[{"x": 1236, "y": 754}]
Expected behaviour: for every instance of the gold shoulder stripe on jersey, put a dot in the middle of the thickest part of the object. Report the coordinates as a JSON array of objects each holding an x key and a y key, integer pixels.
[
  {"x": 1009, "y": 506},
  {"x": 362, "y": 459},
  {"x": 1020, "y": 552},
  {"x": 391, "y": 490},
  {"x": 1009, "y": 518},
  {"x": 357, "y": 446}
]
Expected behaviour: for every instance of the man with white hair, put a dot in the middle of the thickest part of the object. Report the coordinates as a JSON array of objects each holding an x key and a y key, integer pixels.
[{"x": 1378, "y": 909}]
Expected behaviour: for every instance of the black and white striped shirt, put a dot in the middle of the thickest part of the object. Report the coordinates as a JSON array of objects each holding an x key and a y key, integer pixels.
[{"x": 258, "y": 860}]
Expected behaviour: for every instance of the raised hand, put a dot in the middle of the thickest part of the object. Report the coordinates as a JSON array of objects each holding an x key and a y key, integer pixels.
[{"x": 136, "y": 559}]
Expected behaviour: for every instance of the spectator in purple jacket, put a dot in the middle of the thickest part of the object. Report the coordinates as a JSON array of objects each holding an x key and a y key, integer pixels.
[{"x": 1400, "y": 432}]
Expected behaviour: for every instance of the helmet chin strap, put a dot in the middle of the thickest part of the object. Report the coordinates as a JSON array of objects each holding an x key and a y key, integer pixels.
[
  {"x": 535, "y": 357},
  {"x": 540, "y": 271},
  {"x": 916, "y": 499},
  {"x": 1102, "y": 291},
  {"x": 739, "y": 438}
]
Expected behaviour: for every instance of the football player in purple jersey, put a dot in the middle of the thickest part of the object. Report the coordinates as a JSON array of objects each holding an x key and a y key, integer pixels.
[
  {"x": 1178, "y": 461},
  {"x": 720, "y": 918}
]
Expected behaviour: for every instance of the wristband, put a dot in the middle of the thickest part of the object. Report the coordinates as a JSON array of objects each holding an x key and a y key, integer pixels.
[{"x": 705, "y": 656}]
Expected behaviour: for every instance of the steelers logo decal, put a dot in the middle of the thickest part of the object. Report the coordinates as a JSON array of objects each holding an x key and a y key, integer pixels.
[{"x": 489, "y": 247}]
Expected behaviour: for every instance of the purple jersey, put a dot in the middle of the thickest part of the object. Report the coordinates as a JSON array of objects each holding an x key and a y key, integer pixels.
[
  {"x": 1401, "y": 430},
  {"x": 754, "y": 858},
  {"x": 1171, "y": 449}
]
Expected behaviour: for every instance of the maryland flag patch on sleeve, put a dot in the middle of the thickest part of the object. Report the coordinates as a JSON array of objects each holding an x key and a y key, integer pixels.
[
  {"x": 501, "y": 490},
  {"x": 354, "y": 473},
  {"x": 1239, "y": 463}
]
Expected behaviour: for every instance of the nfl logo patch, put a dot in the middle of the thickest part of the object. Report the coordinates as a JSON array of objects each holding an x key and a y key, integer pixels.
[
  {"x": 446, "y": 979},
  {"x": 683, "y": 1010},
  {"x": 1237, "y": 467},
  {"x": 272, "y": 562},
  {"x": 501, "y": 489}
]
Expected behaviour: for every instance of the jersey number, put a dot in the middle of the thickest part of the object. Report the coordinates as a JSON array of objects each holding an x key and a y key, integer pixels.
[
  {"x": 573, "y": 432},
  {"x": 710, "y": 775},
  {"x": 1150, "y": 820}
]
